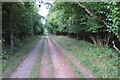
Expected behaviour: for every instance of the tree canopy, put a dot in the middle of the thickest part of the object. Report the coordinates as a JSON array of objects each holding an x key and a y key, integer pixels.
[{"x": 99, "y": 18}]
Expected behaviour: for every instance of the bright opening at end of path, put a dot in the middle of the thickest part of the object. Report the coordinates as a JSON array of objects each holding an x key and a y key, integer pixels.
[{"x": 43, "y": 11}]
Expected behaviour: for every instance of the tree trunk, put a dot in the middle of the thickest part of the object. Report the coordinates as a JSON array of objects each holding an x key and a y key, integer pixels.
[
  {"x": 11, "y": 31},
  {"x": 32, "y": 34},
  {"x": 92, "y": 37},
  {"x": 107, "y": 38},
  {"x": 12, "y": 40},
  {"x": 99, "y": 40}
]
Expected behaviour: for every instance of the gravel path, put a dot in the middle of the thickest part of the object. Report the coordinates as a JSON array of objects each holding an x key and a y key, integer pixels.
[{"x": 25, "y": 68}]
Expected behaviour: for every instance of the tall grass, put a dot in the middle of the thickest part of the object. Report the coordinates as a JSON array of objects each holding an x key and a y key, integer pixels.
[{"x": 101, "y": 61}]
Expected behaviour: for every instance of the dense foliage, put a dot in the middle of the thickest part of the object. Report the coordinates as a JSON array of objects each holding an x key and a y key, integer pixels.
[
  {"x": 20, "y": 20},
  {"x": 93, "y": 21}
]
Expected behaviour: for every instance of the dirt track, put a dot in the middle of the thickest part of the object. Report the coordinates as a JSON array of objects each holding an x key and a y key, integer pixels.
[
  {"x": 25, "y": 68},
  {"x": 86, "y": 72},
  {"x": 60, "y": 66}
]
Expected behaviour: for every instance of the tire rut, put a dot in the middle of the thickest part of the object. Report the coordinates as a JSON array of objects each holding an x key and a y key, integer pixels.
[
  {"x": 44, "y": 68},
  {"x": 62, "y": 68},
  {"x": 82, "y": 69}
]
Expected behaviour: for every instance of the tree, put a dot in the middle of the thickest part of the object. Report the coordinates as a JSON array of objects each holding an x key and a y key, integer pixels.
[
  {"x": 96, "y": 22},
  {"x": 20, "y": 19}
]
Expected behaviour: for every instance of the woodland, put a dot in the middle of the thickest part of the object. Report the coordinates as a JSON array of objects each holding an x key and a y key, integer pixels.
[{"x": 91, "y": 33}]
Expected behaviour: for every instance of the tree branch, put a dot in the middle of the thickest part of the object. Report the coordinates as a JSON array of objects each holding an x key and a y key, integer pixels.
[
  {"x": 115, "y": 46},
  {"x": 91, "y": 14}
]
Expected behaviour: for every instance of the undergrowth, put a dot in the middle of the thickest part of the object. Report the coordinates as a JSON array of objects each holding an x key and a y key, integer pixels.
[{"x": 12, "y": 58}]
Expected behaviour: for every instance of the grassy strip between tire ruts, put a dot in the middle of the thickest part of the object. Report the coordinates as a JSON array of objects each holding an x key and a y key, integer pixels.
[
  {"x": 50, "y": 65},
  {"x": 10, "y": 64},
  {"x": 36, "y": 69},
  {"x": 101, "y": 61}
]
